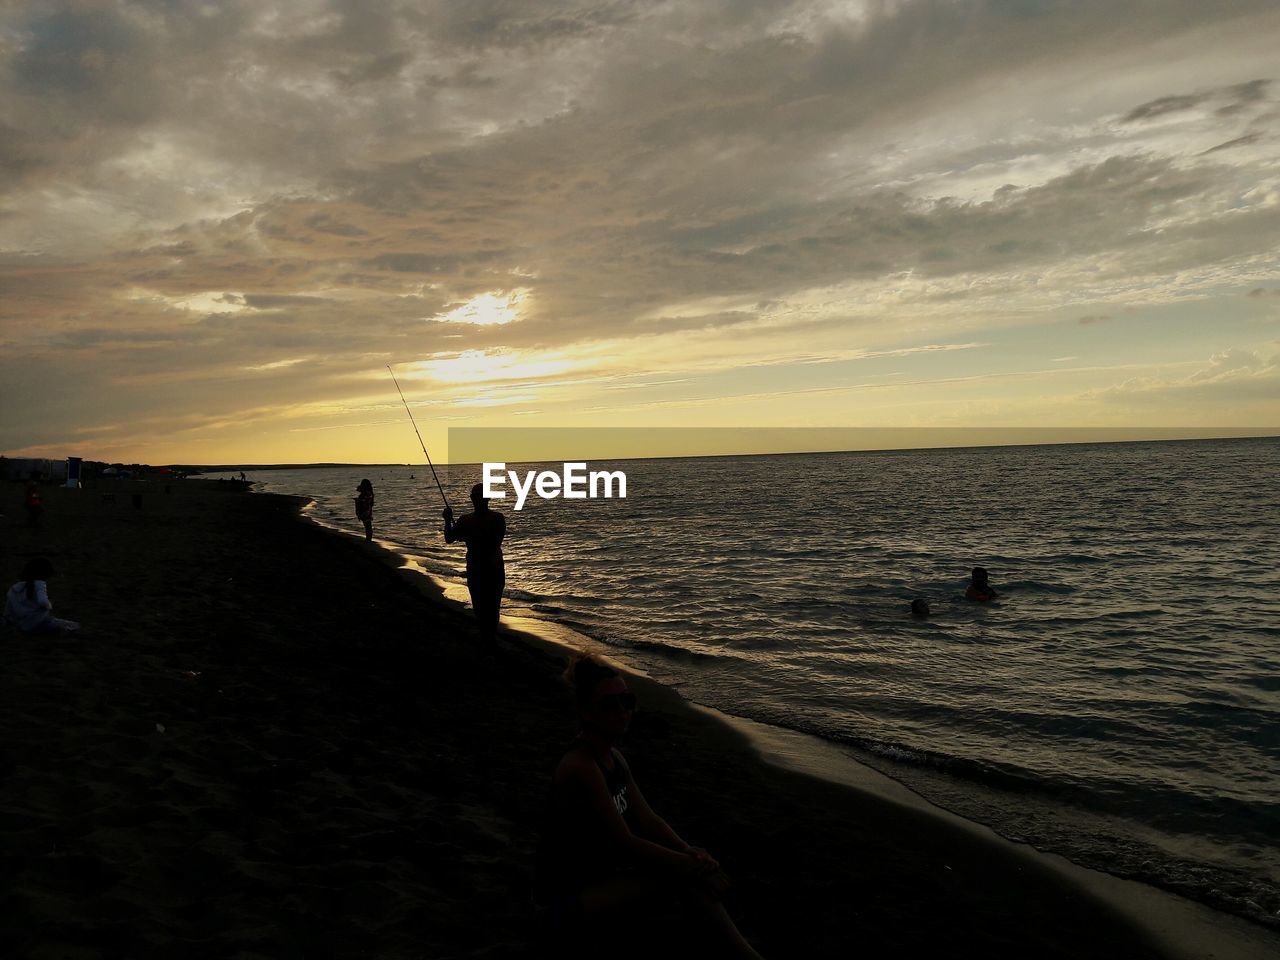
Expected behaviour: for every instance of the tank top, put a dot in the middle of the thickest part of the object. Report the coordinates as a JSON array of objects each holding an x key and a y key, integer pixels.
[
  {"x": 616, "y": 782},
  {"x": 575, "y": 850}
]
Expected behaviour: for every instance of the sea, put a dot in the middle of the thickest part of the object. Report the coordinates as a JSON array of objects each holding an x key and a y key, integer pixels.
[{"x": 1118, "y": 704}]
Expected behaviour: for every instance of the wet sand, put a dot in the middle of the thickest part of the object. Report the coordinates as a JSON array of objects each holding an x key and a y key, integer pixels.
[{"x": 270, "y": 742}]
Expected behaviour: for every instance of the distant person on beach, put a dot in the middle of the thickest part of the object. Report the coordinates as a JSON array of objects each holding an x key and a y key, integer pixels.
[
  {"x": 605, "y": 858},
  {"x": 482, "y": 530},
  {"x": 27, "y": 605},
  {"x": 920, "y": 608},
  {"x": 33, "y": 503},
  {"x": 364, "y": 507},
  {"x": 979, "y": 588}
]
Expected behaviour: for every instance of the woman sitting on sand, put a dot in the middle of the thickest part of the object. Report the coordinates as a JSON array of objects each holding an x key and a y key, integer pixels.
[
  {"x": 605, "y": 855},
  {"x": 27, "y": 604}
]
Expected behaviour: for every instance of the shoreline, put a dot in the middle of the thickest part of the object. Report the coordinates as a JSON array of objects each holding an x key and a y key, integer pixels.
[
  {"x": 263, "y": 745},
  {"x": 1183, "y": 928}
]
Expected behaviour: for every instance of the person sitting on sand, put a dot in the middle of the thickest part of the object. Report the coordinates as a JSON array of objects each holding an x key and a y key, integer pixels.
[
  {"x": 979, "y": 589},
  {"x": 27, "y": 604},
  {"x": 364, "y": 507},
  {"x": 482, "y": 530},
  {"x": 604, "y": 851}
]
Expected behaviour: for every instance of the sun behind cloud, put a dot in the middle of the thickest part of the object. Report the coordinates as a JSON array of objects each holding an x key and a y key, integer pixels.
[
  {"x": 488, "y": 309},
  {"x": 477, "y": 367}
]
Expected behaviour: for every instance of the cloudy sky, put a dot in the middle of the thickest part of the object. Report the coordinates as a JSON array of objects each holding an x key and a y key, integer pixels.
[{"x": 220, "y": 221}]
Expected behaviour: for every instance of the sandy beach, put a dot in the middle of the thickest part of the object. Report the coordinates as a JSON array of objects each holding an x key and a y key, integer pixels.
[{"x": 269, "y": 741}]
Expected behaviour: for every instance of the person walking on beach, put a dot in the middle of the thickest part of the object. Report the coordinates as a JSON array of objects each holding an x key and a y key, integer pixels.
[
  {"x": 605, "y": 858},
  {"x": 27, "y": 605},
  {"x": 32, "y": 502},
  {"x": 482, "y": 530},
  {"x": 364, "y": 507}
]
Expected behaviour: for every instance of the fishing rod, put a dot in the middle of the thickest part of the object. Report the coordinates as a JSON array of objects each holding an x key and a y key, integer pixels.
[{"x": 415, "y": 430}]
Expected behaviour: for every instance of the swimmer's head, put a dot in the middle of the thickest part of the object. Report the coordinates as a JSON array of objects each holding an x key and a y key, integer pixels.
[
  {"x": 979, "y": 576},
  {"x": 478, "y": 497},
  {"x": 920, "y": 608}
]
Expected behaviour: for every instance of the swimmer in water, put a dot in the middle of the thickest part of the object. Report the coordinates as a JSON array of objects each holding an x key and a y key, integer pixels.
[
  {"x": 482, "y": 530},
  {"x": 920, "y": 608},
  {"x": 980, "y": 589}
]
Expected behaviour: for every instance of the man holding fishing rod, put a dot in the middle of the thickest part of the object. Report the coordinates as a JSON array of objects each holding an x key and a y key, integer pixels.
[{"x": 482, "y": 530}]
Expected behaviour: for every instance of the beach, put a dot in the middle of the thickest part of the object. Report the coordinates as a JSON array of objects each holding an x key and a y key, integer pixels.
[{"x": 270, "y": 741}]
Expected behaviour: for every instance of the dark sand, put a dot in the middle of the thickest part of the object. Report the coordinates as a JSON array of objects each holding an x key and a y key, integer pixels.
[{"x": 268, "y": 742}]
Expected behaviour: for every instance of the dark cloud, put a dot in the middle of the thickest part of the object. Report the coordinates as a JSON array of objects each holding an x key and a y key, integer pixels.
[
  {"x": 96, "y": 336},
  {"x": 1092, "y": 318},
  {"x": 268, "y": 301},
  {"x": 430, "y": 263},
  {"x": 324, "y": 223},
  {"x": 91, "y": 52},
  {"x": 1246, "y": 140},
  {"x": 1243, "y": 94},
  {"x": 1164, "y": 105},
  {"x": 1237, "y": 97}
]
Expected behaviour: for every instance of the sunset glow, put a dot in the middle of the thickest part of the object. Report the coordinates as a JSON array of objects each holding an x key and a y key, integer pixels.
[{"x": 222, "y": 221}]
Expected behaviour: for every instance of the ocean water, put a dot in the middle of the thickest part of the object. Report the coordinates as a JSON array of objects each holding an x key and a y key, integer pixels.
[{"x": 1119, "y": 704}]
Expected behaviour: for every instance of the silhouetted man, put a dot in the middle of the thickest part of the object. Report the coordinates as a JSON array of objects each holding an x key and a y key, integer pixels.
[{"x": 482, "y": 530}]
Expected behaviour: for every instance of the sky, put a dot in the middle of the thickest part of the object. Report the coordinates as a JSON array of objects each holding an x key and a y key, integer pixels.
[{"x": 221, "y": 222}]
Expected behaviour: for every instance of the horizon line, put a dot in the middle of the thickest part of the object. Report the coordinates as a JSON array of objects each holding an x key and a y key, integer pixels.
[{"x": 1224, "y": 433}]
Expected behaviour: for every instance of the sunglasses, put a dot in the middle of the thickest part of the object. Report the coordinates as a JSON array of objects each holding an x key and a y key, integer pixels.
[{"x": 616, "y": 702}]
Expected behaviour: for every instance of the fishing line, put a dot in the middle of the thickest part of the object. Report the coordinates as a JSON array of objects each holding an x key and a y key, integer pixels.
[{"x": 415, "y": 430}]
